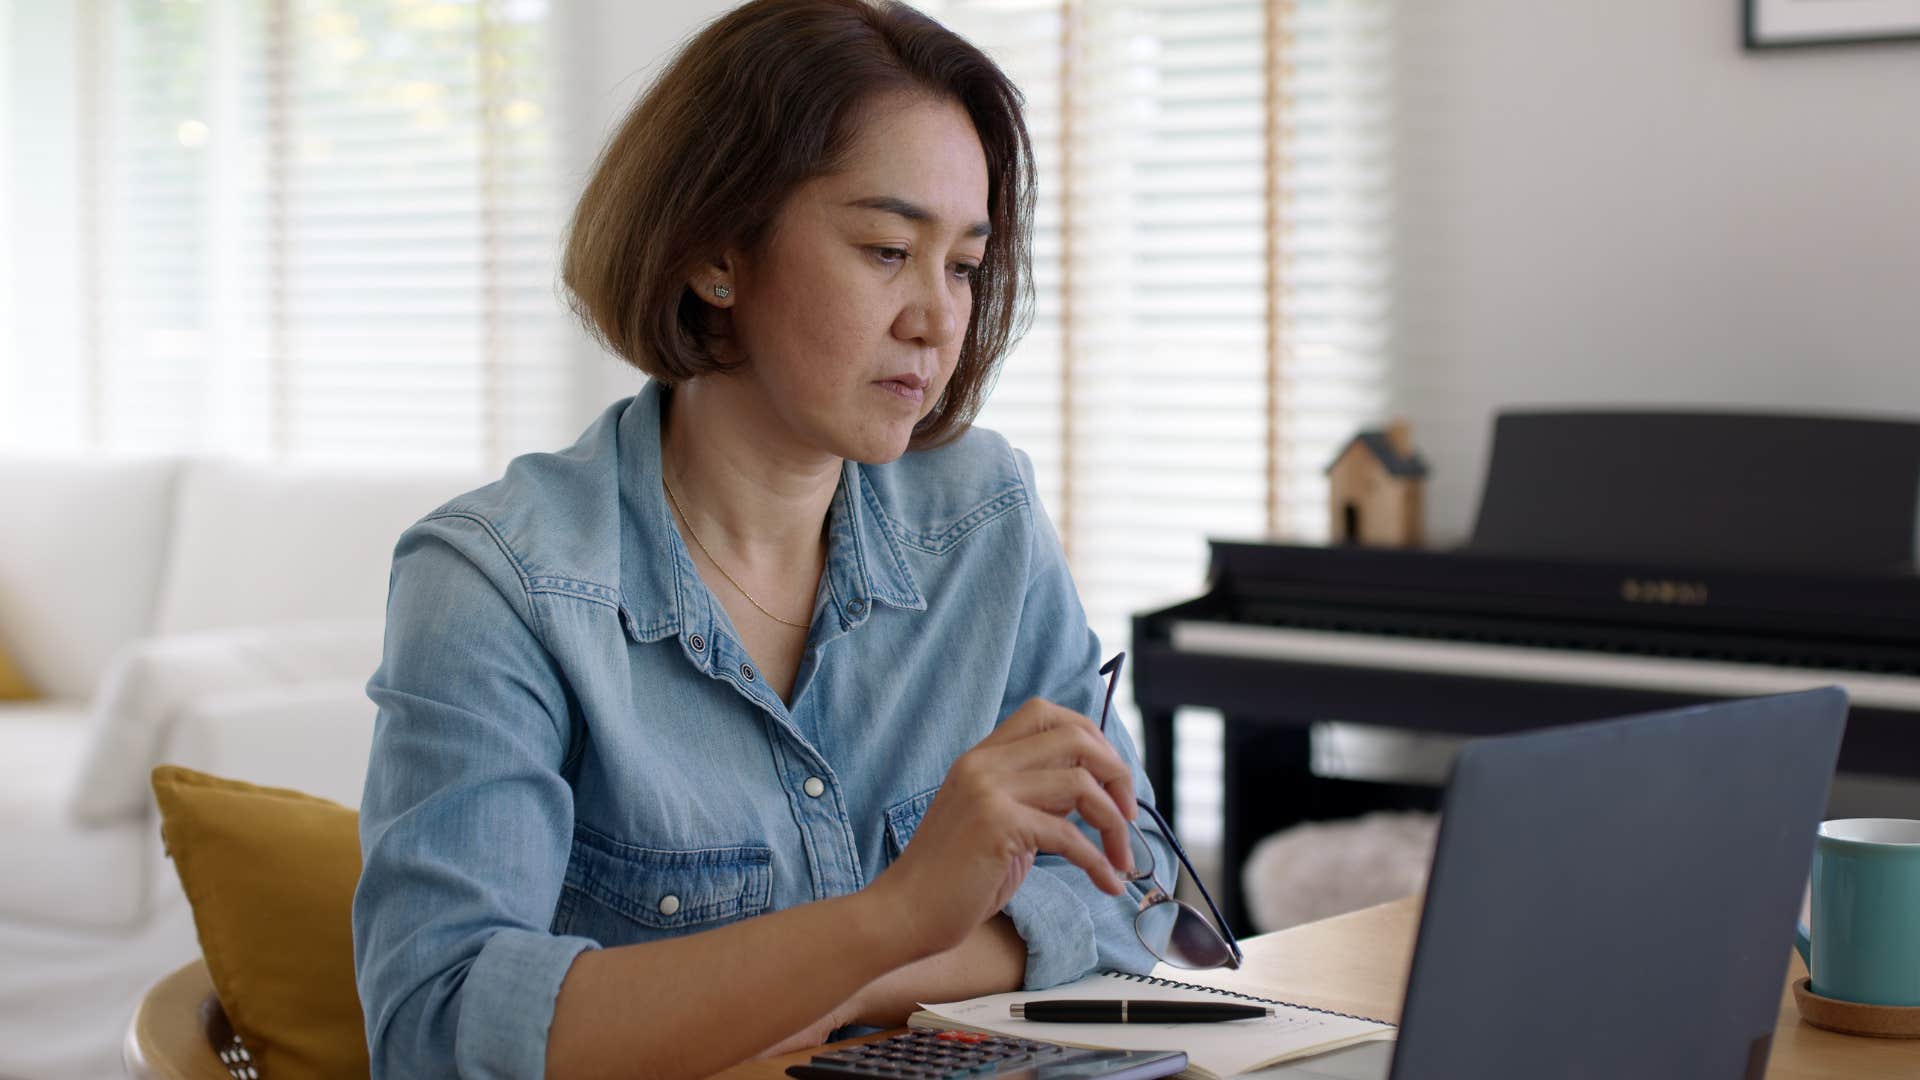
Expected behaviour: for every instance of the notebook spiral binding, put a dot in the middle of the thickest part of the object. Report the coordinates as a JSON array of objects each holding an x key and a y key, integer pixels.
[{"x": 1149, "y": 979}]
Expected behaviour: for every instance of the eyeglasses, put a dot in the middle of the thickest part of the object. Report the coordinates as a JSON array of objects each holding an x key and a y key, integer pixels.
[{"x": 1172, "y": 930}]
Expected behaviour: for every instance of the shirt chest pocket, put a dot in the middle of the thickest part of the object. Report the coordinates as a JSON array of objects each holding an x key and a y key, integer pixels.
[
  {"x": 618, "y": 893},
  {"x": 903, "y": 818}
]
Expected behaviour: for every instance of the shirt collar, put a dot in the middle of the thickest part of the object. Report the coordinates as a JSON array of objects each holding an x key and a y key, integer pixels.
[
  {"x": 865, "y": 561},
  {"x": 661, "y": 588}
]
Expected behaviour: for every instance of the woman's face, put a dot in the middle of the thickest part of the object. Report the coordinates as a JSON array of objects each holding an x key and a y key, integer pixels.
[{"x": 851, "y": 313}]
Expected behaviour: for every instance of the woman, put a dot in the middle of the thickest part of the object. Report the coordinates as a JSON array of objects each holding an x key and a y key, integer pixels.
[{"x": 659, "y": 713}]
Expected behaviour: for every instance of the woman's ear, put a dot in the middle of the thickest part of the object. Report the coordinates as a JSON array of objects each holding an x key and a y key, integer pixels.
[{"x": 716, "y": 281}]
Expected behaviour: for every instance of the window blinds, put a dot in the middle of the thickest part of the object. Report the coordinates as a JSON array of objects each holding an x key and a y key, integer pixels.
[
  {"x": 1211, "y": 267},
  {"x": 330, "y": 229},
  {"x": 317, "y": 229}
]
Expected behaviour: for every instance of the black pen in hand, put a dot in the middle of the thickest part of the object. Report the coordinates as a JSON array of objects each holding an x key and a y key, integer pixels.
[{"x": 1135, "y": 1012}]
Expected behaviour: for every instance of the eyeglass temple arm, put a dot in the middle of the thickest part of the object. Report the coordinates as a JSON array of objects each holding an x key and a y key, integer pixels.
[
  {"x": 1166, "y": 831},
  {"x": 1111, "y": 669}
]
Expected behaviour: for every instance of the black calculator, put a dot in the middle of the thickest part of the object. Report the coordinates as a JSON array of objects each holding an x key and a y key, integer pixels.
[{"x": 927, "y": 1055}]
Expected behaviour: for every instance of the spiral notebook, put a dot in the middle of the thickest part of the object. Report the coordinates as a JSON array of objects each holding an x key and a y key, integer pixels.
[{"x": 1213, "y": 1050}]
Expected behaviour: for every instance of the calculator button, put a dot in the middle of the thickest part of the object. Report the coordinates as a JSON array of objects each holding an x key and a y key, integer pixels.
[{"x": 932, "y": 1055}]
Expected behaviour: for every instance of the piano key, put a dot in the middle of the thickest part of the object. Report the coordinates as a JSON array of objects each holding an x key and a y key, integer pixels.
[{"x": 1521, "y": 663}]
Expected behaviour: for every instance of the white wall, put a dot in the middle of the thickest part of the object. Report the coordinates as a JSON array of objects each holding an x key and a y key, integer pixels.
[
  {"x": 1611, "y": 202},
  {"x": 611, "y": 51}
]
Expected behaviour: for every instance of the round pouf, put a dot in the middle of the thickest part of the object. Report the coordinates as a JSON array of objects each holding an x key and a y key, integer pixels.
[{"x": 1325, "y": 868}]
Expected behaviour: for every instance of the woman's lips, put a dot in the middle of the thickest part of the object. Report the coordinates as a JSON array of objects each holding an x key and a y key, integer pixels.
[{"x": 902, "y": 390}]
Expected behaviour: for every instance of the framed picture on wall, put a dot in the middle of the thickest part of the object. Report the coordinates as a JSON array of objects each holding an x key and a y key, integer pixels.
[{"x": 1773, "y": 23}]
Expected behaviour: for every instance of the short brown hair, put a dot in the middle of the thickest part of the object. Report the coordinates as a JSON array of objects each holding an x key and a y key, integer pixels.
[{"x": 764, "y": 99}]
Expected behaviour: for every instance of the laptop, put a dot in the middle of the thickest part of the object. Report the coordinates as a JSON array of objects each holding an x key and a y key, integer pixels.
[{"x": 1614, "y": 899}]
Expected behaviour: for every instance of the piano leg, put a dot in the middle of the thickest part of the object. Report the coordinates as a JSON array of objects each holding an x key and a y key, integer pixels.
[
  {"x": 1157, "y": 754},
  {"x": 1267, "y": 785}
]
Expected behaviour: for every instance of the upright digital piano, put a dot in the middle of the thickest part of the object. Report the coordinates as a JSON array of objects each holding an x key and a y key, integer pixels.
[{"x": 1619, "y": 562}]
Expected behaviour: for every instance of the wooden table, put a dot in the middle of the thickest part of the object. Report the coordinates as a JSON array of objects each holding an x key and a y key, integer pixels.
[{"x": 1357, "y": 963}]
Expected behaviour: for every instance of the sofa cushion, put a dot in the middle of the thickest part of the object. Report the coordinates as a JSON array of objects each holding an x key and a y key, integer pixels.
[
  {"x": 256, "y": 544},
  {"x": 13, "y": 685},
  {"x": 82, "y": 542},
  {"x": 58, "y": 871},
  {"x": 270, "y": 874},
  {"x": 315, "y": 737},
  {"x": 153, "y": 681}
]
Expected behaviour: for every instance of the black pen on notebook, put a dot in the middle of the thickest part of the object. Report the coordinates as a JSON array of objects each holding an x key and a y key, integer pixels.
[{"x": 1135, "y": 1012}]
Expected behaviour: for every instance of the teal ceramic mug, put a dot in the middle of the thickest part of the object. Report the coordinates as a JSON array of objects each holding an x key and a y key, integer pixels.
[{"x": 1864, "y": 945}]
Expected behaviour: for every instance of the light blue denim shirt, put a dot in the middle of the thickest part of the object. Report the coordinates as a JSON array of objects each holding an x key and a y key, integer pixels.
[{"x": 574, "y": 750}]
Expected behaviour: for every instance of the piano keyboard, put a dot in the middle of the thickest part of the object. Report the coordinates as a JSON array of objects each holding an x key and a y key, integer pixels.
[{"x": 1706, "y": 678}]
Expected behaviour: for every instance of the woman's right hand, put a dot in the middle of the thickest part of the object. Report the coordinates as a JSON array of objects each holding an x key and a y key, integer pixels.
[{"x": 1001, "y": 803}]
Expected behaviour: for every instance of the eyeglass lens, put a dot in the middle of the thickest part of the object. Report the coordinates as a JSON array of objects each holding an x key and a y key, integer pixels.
[
  {"x": 1181, "y": 936},
  {"x": 1170, "y": 929}
]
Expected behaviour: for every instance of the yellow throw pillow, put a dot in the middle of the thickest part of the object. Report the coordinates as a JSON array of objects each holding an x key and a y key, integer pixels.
[
  {"x": 270, "y": 874},
  {"x": 13, "y": 685}
]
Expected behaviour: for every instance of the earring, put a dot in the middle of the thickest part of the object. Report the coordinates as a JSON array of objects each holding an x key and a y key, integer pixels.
[{"x": 721, "y": 292}]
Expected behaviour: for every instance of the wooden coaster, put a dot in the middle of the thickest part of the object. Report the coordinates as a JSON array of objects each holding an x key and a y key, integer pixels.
[{"x": 1853, "y": 1018}]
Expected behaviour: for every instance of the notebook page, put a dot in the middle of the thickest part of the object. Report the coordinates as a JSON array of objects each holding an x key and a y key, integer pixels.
[{"x": 1213, "y": 1050}]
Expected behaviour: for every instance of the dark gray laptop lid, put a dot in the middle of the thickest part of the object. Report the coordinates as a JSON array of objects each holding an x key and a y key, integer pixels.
[{"x": 1617, "y": 899}]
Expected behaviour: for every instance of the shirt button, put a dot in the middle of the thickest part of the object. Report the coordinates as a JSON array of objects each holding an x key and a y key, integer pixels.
[
  {"x": 699, "y": 643},
  {"x": 813, "y": 787},
  {"x": 669, "y": 904},
  {"x": 856, "y": 606},
  {"x": 746, "y": 672}
]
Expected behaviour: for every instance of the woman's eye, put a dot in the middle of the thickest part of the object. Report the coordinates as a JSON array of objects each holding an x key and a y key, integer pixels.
[
  {"x": 890, "y": 255},
  {"x": 967, "y": 272}
]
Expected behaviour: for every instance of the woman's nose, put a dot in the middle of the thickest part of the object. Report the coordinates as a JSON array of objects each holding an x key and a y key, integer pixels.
[{"x": 933, "y": 316}]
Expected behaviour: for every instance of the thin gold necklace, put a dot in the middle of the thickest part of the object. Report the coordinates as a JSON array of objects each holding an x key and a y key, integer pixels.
[{"x": 688, "y": 522}]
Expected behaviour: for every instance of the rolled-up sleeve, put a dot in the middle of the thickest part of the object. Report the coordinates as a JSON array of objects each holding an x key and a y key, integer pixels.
[
  {"x": 466, "y": 821},
  {"x": 1070, "y": 927}
]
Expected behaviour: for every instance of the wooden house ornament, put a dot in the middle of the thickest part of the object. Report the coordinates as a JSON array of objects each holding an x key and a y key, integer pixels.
[{"x": 1374, "y": 489}]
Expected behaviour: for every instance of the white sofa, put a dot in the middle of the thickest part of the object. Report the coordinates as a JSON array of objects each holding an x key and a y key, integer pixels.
[{"x": 216, "y": 614}]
